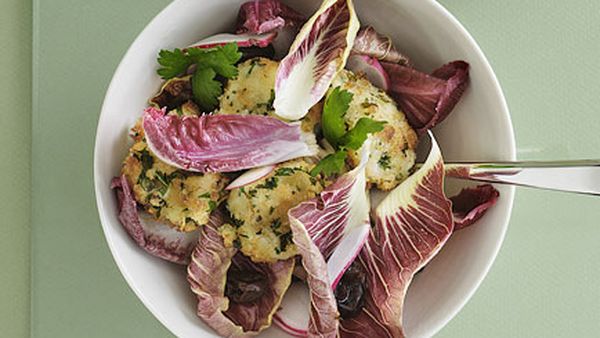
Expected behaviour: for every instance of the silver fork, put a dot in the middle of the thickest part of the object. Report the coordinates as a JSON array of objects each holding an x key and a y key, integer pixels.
[{"x": 579, "y": 176}]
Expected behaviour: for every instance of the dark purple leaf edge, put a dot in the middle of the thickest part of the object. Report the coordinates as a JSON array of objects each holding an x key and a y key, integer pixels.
[
  {"x": 427, "y": 99},
  {"x": 264, "y": 16},
  {"x": 470, "y": 204}
]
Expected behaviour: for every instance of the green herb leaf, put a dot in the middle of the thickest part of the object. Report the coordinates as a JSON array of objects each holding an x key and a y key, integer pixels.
[
  {"x": 270, "y": 184},
  {"x": 275, "y": 226},
  {"x": 285, "y": 171},
  {"x": 384, "y": 161},
  {"x": 212, "y": 205},
  {"x": 163, "y": 182},
  {"x": 163, "y": 178},
  {"x": 221, "y": 59},
  {"x": 284, "y": 241},
  {"x": 173, "y": 63},
  {"x": 146, "y": 159},
  {"x": 332, "y": 163},
  {"x": 336, "y": 105},
  {"x": 205, "y": 88},
  {"x": 147, "y": 184},
  {"x": 356, "y": 136}
]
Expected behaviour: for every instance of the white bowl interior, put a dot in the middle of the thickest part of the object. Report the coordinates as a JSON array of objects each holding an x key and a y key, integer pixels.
[{"x": 479, "y": 129}]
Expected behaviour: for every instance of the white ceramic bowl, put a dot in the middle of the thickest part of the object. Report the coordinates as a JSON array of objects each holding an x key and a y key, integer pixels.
[{"x": 479, "y": 129}]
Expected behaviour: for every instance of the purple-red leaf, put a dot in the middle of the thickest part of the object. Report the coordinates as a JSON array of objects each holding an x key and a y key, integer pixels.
[
  {"x": 208, "y": 273},
  {"x": 156, "y": 238},
  {"x": 427, "y": 100},
  {"x": 340, "y": 209},
  {"x": 318, "y": 53},
  {"x": 411, "y": 225},
  {"x": 323, "y": 316},
  {"x": 337, "y": 225},
  {"x": 224, "y": 143},
  {"x": 264, "y": 16},
  {"x": 370, "y": 43},
  {"x": 471, "y": 204}
]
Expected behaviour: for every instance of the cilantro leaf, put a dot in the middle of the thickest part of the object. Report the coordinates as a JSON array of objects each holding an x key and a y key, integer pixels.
[
  {"x": 173, "y": 63},
  {"x": 221, "y": 59},
  {"x": 205, "y": 88},
  {"x": 331, "y": 164},
  {"x": 210, "y": 62},
  {"x": 332, "y": 120},
  {"x": 334, "y": 130},
  {"x": 356, "y": 136}
]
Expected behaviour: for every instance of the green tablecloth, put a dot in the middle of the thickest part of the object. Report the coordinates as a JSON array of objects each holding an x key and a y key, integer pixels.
[{"x": 545, "y": 282}]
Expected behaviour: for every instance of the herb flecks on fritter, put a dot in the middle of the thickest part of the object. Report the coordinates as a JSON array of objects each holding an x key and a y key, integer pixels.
[
  {"x": 253, "y": 92},
  {"x": 259, "y": 222}
]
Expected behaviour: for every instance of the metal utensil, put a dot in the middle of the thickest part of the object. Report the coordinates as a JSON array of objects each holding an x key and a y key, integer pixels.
[{"x": 580, "y": 176}]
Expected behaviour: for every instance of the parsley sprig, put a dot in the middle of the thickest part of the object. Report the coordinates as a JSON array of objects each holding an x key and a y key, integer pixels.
[
  {"x": 210, "y": 62},
  {"x": 335, "y": 131}
]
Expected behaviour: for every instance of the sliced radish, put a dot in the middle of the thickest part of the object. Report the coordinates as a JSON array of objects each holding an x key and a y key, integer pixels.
[
  {"x": 242, "y": 40},
  {"x": 250, "y": 176},
  {"x": 371, "y": 68},
  {"x": 293, "y": 317}
]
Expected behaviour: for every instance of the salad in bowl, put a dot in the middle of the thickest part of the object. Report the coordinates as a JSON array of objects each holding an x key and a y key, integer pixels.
[{"x": 278, "y": 163}]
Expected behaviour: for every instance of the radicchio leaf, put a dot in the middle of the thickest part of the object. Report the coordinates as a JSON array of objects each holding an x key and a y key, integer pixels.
[
  {"x": 369, "y": 42},
  {"x": 264, "y": 16},
  {"x": 323, "y": 315},
  {"x": 208, "y": 273},
  {"x": 337, "y": 224},
  {"x": 156, "y": 238},
  {"x": 224, "y": 143},
  {"x": 427, "y": 100},
  {"x": 318, "y": 53},
  {"x": 471, "y": 204},
  {"x": 411, "y": 225},
  {"x": 337, "y": 220}
]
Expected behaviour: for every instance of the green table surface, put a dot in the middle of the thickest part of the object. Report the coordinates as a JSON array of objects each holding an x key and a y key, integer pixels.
[{"x": 545, "y": 282}]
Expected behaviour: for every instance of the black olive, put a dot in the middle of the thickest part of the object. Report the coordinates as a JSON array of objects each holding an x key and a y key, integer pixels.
[
  {"x": 176, "y": 92},
  {"x": 245, "y": 286},
  {"x": 252, "y": 52},
  {"x": 350, "y": 291}
]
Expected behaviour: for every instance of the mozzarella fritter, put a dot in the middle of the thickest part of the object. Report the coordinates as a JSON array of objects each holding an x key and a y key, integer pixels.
[
  {"x": 393, "y": 148},
  {"x": 181, "y": 198},
  {"x": 260, "y": 226},
  {"x": 253, "y": 92}
]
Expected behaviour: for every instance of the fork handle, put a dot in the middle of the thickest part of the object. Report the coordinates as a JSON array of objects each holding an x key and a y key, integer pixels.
[{"x": 580, "y": 176}]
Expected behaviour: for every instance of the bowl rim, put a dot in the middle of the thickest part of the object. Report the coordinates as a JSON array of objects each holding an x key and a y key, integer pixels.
[
  {"x": 510, "y": 196},
  {"x": 506, "y": 125}
]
